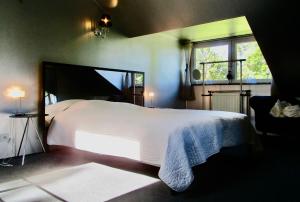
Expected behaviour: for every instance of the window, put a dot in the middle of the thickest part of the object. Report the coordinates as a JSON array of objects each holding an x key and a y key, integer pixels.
[
  {"x": 139, "y": 79},
  {"x": 254, "y": 69},
  {"x": 213, "y": 53},
  {"x": 255, "y": 66}
]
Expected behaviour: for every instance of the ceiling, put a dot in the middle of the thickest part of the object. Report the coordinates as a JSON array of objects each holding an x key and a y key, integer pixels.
[{"x": 141, "y": 17}]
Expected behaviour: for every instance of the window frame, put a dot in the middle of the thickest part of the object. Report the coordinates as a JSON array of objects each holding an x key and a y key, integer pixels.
[{"x": 232, "y": 55}]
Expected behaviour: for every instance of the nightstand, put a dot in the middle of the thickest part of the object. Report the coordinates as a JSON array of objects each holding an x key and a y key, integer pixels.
[{"x": 24, "y": 140}]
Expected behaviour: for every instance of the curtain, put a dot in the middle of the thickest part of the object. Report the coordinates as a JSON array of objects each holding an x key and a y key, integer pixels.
[
  {"x": 126, "y": 90},
  {"x": 187, "y": 90}
]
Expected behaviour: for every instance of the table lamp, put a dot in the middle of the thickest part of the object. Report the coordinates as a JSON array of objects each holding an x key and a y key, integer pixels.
[
  {"x": 16, "y": 93},
  {"x": 151, "y": 95}
]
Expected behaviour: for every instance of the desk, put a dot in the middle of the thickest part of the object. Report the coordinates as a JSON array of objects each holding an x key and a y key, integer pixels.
[{"x": 29, "y": 118}]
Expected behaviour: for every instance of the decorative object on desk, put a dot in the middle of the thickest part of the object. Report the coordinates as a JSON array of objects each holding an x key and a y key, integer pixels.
[
  {"x": 196, "y": 74},
  {"x": 151, "y": 95},
  {"x": 229, "y": 76},
  {"x": 16, "y": 93},
  {"x": 102, "y": 26}
]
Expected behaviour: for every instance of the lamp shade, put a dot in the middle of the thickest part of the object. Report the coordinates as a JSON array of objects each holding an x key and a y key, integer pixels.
[
  {"x": 151, "y": 94},
  {"x": 15, "y": 92}
]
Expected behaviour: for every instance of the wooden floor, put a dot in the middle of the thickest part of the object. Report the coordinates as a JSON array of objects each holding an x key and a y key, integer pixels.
[{"x": 272, "y": 176}]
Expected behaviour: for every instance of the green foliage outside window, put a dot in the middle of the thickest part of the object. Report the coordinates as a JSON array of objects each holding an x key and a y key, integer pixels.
[
  {"x": 255, "y": 66},
  {"x": 139, "y": 79},
  {"x": 212, "y": 71}
]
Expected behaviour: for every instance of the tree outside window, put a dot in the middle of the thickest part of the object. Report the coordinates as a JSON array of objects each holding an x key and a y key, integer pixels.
[
  {"x": 215, "y": 53},
  {"x": 255, "y": 68}
]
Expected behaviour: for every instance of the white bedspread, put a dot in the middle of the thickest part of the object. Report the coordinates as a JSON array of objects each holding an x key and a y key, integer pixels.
[{"x": 175, "y": 140}]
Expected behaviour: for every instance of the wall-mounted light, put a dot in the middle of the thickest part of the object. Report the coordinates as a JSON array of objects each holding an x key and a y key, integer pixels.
[
  {"x": 88, "y": 24},
  {"x": 102, "y": 26},
  {"x": 17, "y": 93}
]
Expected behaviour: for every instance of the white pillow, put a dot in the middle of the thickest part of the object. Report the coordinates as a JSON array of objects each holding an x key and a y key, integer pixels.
[
  {"x": 285, "y": 109},
  {"x": 277, "y": 109},
  {"x": 291, "y": 111},
  {"x": 54, "y": 109}
]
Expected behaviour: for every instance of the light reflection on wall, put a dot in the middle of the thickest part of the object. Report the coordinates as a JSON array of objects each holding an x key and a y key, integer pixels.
[
  {"x": 108, "y": 145},
  {"x": 88, "y": 24}
]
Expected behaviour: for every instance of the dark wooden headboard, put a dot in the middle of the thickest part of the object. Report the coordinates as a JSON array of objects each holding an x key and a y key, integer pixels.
[{"x": 66, "y": 81}]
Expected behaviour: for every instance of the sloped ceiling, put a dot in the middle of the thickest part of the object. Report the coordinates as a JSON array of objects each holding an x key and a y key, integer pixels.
[
  {"x": 274, "y": 24},
  {"x": 141, "y": 17}
]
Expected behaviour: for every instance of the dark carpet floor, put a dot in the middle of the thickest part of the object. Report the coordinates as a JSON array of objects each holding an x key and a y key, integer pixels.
[{"x": 274, "y": 175}]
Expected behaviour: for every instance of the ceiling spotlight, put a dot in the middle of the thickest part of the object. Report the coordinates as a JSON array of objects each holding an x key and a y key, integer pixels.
[
  {"x": 105, "y": 20},
  {"x": 102, "y": 27}
]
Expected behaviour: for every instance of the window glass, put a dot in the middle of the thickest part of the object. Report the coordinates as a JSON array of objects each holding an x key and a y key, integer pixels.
[
  {"x": 254, "y": 69},
  {"x": 213, "y": 53},
  {"x": 139, "y": 79},
  {"x": 255, "y": 66}
]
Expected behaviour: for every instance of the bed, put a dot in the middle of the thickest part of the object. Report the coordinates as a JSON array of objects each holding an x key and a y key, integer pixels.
[{"x": 174, "y": 140}]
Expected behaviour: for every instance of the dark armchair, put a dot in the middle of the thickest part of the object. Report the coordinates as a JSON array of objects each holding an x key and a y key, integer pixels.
[{"x": 266, "y": 123}]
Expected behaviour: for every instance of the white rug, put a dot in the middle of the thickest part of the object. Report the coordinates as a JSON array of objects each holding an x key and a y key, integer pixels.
[
  {"x": 20, "y": 190},
  {"x": 88, "y": 182}
]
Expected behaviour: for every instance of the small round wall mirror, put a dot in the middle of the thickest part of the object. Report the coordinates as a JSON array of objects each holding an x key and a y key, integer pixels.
[{"x": 196, "y": 74}]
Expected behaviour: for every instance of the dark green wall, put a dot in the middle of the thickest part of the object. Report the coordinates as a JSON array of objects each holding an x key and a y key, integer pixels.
[
  {"x": 275, "y": 24},
  {"x": 44, "y": 30}
]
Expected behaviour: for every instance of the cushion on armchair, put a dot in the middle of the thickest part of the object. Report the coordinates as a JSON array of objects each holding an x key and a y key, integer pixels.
[{"x": 265, "y": 122}]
